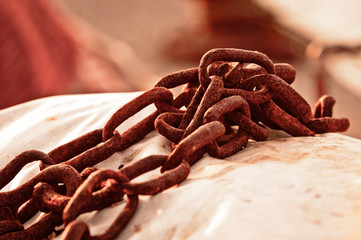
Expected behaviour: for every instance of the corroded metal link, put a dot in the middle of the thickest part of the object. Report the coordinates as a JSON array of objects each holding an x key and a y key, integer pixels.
[
  {"x": 235, "y": 76},
  {"x": 6, "y": 214},
  {"x": 256, "y": 96},
  {"x": 156, "y": 185},
  {"x": 39, "y": 230},
  {"x": 134, "y": 106},
  {"x": 285, "y": 121},
  {"x": 256, "y": 131},
  {"x": 83, "y": 194},
  {"x": 196, "y": 140},
  {"x": 46, "y": 199},
  {"x": 122, "y": 219},
  {"x": 59, "y": 173},
  {"x": 258, "y": 116},
  {"x": 196, "y": 155},
  {"x": 295, "y": 101},
  {"x": 27, "y": 211},
  {"x": 45, "y": 226},
  {"x": 16, "y": 164},
  {"x": 165, "y": 125},
  {"x": 138, "y": 131},
  {"x": 178, "y": 78},
  {"x": 328, "y": 124},
  {"x": 7, "y": 221},
  {"x": 234, "y": 145},
  {"x": 324, "y": 107},
  {"x": 192, "y": 108},
  {"x": 76, "y": 146},
  {"x": 231, "y": 87},
  {"x": 231, "y": 55},
  {"x": 76, "y": 230},
  {"x": 142, "y": 166},
  {"x": 283, "y": 70},
  {"x": 49, "y": 200},
  {"x": 184, "y": 98},
  {"x": 87, "y": 171},
  {"x": 220, "y": 68},
  {"x": 226, "y": 105},
  {"x": 167, "y": 107},
  {"x": 96, "y": 154},
  {"x": 10, "y": 226},
  {"x": 229, "y": 134},
  {"x": 214, "y": 113},
  {"x": 211, "y": 96}
]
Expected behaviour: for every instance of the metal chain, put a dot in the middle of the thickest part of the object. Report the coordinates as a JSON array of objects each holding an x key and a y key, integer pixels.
[{"x": 230, "y": 88}]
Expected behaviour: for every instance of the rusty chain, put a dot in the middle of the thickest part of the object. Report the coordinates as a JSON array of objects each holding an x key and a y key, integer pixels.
[{"x": 230, "y": 88}]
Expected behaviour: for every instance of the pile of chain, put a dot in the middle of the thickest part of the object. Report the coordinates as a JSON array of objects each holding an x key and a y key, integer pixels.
[{"x": 233, "y": 96}]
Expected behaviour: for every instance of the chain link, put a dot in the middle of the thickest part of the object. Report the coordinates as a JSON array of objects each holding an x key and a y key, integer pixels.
[{"x": 230, "y": 88}]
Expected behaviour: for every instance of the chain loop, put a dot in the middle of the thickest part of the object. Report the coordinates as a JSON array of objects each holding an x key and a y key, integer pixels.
[{"x": 231, "y": 88}]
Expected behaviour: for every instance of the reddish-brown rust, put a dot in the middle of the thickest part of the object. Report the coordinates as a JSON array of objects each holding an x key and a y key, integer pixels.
[
  {"x": 220, "y": 68},
  {"x": 234, "y": 145},
  {"x": 165, "y": 125},
  {"x": 46, "y": 199},
  {"x": 27, "y": 211},
  {"x": 285, "y": 121},
  {"x": 231, "y": 55},
  {"x": 258, "y": 116},
  {"x": 192, "y": 108},
  {"x": 214, "y": 113},
  {"x": 129, "y": 109},
  {"x": 6, "y": 214},
  {"x": 59, "y": 173},
  {"x": 185, "y": 97},
  {"x": 122, "y": 220},
  {"x": 282, "y": 70},
  {"x": 299, "y": 106},
  {"x": 82, "y": 196},
  {"x": 76, "y": 230},
  {"x": 256, "y": 96},
  {"x": 256, "y": 131},
  {"x": 196, "y": 140},
  {"x": 39, "y": 230},
  {"x": 328, "y": 124},
  {"x": 167, "y": 107},
  {"x": 142, "y": 166},
  {"x": 86, "y": 172},
  {"x": 16, "y": 164},
  {"x": 138, "y": 131},
  {"x": 260, "y": 95},
  {"x": 229, "y": 134},
  {"x": 285, "y": 71},
  {"x": 10, "y": 226},
  {"x": 324, "y": 107},
  {"x": 76, "y": 146},
  {"x": 235, "y": 76},
  {"x": 226, "y": 105},
  {"x": 178, "y": 78},
  {"x": 211, "y": 96},
  {"x": 7, "y": 221},
  {"x": 251, "y": 70},
  {"x": 96, "y": 154},
  {"x": 164, "y": 181},
  {"x": 195, "y": 156}
]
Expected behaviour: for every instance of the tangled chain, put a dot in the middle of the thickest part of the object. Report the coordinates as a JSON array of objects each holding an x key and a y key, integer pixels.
[{"x": 233, "y": 95}]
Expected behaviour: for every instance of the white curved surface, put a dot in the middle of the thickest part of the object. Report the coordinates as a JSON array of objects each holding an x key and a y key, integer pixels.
[{"x": 284, "y": 188}]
